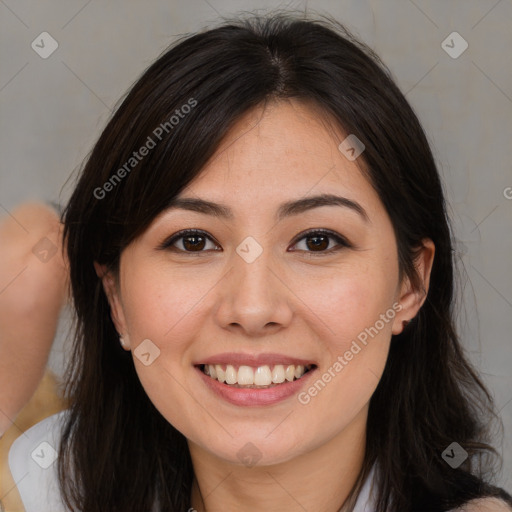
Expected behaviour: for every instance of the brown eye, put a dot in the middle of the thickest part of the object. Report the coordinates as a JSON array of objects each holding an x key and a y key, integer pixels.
[
  {"x": 193, "y": 242},
  {"x": 319, "y": 241},
  {"x": 189, "y": 241}
]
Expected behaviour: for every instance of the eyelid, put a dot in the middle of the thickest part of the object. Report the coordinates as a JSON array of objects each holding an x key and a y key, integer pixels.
[
  {"x": 168, "y": 242},
  {"x": 341, "y": 240}
]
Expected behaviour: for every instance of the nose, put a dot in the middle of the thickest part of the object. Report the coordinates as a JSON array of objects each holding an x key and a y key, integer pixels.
[{"x": 255, "y": 299}]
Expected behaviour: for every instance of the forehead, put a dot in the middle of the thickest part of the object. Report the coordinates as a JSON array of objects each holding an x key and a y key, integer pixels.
[
  {"x": 266, "y": 134},
  {"x": 273, "y": 153}
]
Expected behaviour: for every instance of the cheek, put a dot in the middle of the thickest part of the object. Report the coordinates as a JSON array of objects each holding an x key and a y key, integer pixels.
[
  {"x": 160, "y": 304},
  {"x": 159, "y": 309},
  {"x": 354, "y": 312},
  {"x": 349, "y": 300},
  {"x": 165, "y": 309}
]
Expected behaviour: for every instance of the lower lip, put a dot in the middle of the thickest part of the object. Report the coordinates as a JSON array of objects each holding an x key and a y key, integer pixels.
[{"x": 254, "y": 396}]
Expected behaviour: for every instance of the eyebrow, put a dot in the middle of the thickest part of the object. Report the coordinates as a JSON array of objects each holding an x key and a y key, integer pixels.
[{"x": 285, "y": 209}]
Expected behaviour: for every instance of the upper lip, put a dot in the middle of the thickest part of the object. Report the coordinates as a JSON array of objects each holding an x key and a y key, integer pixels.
[{"x": 255, "y": 360}]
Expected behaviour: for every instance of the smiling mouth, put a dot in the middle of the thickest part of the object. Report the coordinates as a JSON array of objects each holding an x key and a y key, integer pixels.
[{"x": 261, "y": 377}]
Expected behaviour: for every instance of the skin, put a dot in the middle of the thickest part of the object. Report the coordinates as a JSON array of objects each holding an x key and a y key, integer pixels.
[
  {"x": 293, "y": 299},
  {"x": 32, "y": 293}
]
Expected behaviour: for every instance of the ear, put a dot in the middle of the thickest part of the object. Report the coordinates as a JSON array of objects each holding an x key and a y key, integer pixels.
[
  {"x": 412, "y": 299},
  {"x": 111, "y": 288}
]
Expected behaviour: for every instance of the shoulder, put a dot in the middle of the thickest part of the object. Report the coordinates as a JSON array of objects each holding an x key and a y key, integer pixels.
[
  {"x": 38, "y": 220},
  {"x": 484, "y": 505},
  {"x": 40, "y": 239},
  {"x": 32, "y": 462}
]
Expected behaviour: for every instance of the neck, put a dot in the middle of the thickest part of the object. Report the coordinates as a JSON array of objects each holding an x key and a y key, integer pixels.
[{"x": 320, "y": 479}]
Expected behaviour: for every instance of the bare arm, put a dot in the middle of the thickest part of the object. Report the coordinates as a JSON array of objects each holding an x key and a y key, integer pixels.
[{"x": 33, "y": 288}]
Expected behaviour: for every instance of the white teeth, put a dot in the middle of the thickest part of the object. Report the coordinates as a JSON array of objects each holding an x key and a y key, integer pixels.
[
  {"x": 299, "y": 371},
  {"x": 263, "y": 376},
  {"x": 278, "y": 374},
  {"x": 290, "y": 372},
  {"x": 221, "y": 374},
  {"x": 231, "y": 374},
  {"x": 245, "y": 375},
  {"x": 252, "y": 377}
]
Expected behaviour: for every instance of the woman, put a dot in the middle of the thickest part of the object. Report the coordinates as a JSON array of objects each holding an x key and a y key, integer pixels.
[{"x": 262, "y": 272}]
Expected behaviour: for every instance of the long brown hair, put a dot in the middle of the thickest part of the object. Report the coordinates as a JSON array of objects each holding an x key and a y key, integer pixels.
[{"x": 117, "y": 451}]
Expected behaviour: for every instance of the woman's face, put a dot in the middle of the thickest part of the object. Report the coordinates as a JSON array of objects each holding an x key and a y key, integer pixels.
[{"x": 261, "y": 290}]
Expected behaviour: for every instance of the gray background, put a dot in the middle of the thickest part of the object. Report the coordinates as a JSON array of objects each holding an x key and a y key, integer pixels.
[{"x": 52, "y": 111}]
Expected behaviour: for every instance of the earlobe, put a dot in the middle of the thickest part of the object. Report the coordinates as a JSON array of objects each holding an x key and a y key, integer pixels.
[
  {"x": 125, "y": 342},
  {"x": 412, "y": 298}
]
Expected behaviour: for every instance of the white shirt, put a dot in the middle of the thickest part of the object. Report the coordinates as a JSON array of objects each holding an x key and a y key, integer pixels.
[{"x": 32, "y": 461}]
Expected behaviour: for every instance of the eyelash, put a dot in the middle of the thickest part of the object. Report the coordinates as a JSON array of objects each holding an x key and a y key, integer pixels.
[{"x": 342, "y": 242}]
